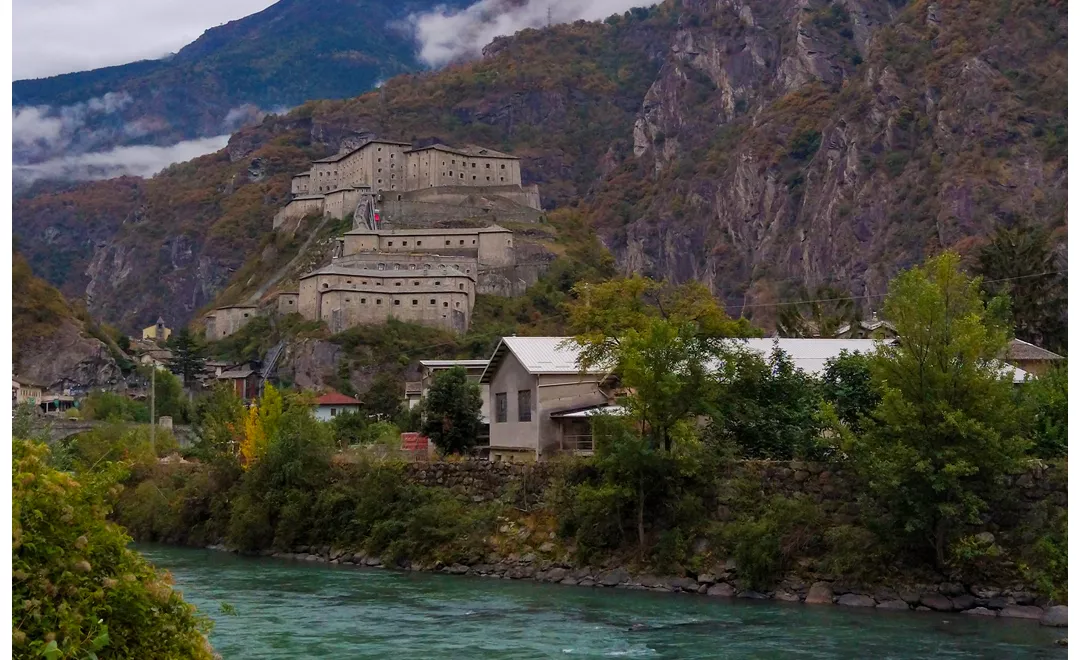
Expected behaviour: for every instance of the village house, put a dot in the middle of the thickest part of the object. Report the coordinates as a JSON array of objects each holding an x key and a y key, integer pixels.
[
  {"x": 25, "y": 391},
  {"x": 531, "y": 381},
  {"x": 244, "y": 382},
  {"x": 330, "y": 405}
]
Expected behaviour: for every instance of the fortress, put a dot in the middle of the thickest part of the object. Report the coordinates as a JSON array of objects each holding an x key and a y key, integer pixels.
[
  {"x": 398, "y": 175},
  {"x": 419, "y": 273}
]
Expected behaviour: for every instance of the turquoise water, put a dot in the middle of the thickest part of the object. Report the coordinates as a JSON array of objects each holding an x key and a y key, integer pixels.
[{"x": 291, "y": 610}]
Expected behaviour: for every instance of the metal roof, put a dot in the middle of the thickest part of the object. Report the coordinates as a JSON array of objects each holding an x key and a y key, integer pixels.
[
  {"x": 603, "y": 409},
  {"x": 538, "y": 355},
  {"x": 810, "y": 355}
]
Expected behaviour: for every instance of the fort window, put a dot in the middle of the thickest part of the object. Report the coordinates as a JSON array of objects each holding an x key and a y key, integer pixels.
[
  {"x": 382, "y": 266},
  {"x": 502, "y": 178},
  {"x": 397, "y": 302},
  {"x": 457, "y": 304},
  {"x": 448, "y": 242},
  {"x": 453, "y": 162},
  {"x": 418, "y": 244},
  {"x": 487, "y": 166},
  {"x": 432, "y": 301},
  {"x": 325, "y": 285},
  {"x": 474, "y": 241},
  {"x": 474, "y": 177},
  {"x": 502, "y": 167},
  {"x": 462, "y": 175},
  {"x": 378, "y": 301},
  {"x": 488, "y": 178},
  {"x": 438, "y": 282},
  {"x": 380, "y": 182},
  {"x": 348, "y": 281},
  {"x": 474, "y": 166},
  {"x": 446, "y": 304},
  {"x": 389, "y": 244},
  {"x": 347, "y": 300},
  {"x": 416, "y": 283},
  {"x": 397, "y": 283},
  {"x": 404, "y": 243},
  {"x": 461, "y": 242},
  {"x": 461, "y": 286},
  {"x": 363, "y": 301},
  {"x": 415, "y": 301}
]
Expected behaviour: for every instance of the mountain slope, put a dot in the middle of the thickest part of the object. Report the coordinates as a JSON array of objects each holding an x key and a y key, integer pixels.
[
  {"x": 50, "y": 343},
  {"x": 293, "y": 51},
  {"x": 758, "y": 146}
]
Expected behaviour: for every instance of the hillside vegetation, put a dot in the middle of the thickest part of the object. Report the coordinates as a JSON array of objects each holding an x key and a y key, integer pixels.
[{"x": 777, "y": 149}]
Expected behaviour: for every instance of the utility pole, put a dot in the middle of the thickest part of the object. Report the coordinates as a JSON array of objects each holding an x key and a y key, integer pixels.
[{"x": 153, "y": 423}]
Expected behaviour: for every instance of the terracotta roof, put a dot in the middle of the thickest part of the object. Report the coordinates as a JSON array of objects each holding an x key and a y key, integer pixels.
[
  {"x": 336, "y": 399},
  {"x": 1022, "y": 350}
]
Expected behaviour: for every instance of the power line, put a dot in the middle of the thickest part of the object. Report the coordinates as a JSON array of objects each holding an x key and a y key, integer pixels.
[{"x": 883, "y": 295}]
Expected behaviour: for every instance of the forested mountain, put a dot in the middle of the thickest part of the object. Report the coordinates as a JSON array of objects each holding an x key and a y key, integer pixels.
[
  {"x": 293, "y": 51},
  {"x": 762, "y": 147}
]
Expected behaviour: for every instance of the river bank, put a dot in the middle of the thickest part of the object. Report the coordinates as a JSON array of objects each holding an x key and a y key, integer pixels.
[
  {"x": 945, "y": 597},
  {"x": 289, "y": 609}
]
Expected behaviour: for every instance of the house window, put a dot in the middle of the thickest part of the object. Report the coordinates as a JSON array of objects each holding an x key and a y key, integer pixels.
[
  {"x": 500, "y": 407},
  {"x": 524, "y": 405},
  {"x": 333, "y": 412}
]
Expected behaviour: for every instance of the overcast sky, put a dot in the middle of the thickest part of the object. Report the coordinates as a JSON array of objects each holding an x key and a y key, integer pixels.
[{"x": 59, "y": 36}]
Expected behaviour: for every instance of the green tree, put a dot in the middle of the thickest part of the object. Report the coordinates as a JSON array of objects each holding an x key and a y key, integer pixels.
[
  {"x": 349, "y": 428},
  {"x": 947, "y": 428},
  {"x": 1020, "y": 262},
  {"x": 848, "y": 385},
  {"x": 188, "y": 359},
  {"x": 218, "y": 423},
  {"x": 78, "y": 590},
  {"x": 383, "y": 399},
  {"x": 169, "y": 397},
  {"x": 664, "y": 343},
  {"x": 1045, "y": 406},
  {"x": 767, "y": 408},
  {"x": 452, "y": 412}
]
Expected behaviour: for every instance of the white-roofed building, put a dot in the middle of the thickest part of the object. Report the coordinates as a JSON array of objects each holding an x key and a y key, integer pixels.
[{"x": 531, "y": 381}]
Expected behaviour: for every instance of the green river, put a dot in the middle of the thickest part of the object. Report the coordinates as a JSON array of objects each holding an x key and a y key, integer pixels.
[{"x": 285, "y": 609}]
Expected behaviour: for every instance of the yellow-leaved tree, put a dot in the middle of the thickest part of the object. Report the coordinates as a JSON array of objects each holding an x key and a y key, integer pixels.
[{"x": 261, "y": 425}]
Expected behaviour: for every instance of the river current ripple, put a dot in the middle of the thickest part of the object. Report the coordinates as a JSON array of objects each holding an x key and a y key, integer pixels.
[{"x": 283, "y": 609}]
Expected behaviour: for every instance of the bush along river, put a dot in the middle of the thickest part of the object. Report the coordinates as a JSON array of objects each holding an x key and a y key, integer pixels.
[{"x": 270, "y": 608}]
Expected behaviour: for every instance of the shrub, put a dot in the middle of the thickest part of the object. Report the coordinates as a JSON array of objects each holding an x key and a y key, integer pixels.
[
  {"x": 77, "y": 589},
  {"x": 853, "y": 552},
  {"x": 764, "y": 546}
]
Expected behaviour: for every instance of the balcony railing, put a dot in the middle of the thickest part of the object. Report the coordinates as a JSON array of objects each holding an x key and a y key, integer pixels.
[{"x": 578, "y": 444}]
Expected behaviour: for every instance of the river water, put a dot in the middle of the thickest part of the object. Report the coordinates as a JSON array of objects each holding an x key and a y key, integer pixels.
[{"x": 288, "y": 610}]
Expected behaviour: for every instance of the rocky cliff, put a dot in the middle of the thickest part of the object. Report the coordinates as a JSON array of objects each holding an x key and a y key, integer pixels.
[
  {"x": 758, "y": 146},
  {"x": 51, "y": 345}
]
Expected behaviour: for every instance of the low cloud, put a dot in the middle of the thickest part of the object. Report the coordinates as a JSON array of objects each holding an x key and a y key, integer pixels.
[
  {"x": 141, "y": 160},
  {"x": 41, "y": 131},
  {"x": 444, "y": 35}
]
